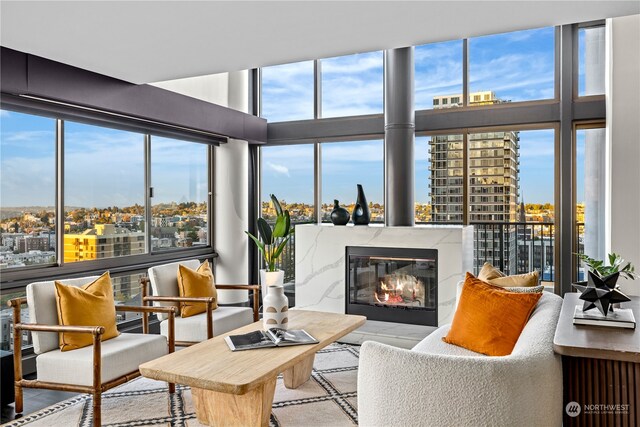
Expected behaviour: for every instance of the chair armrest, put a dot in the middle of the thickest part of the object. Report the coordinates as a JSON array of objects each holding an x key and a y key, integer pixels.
[
  {"x": 146, "y": 309},
  {"x": 17, "y": 302},
  {"x": 241, "y": 287},
  {"x": 256, "y": 296},
  {"x": 458, "y": 390},
  {"x": 94, "y": 330},
  {"x": 181, "y": 299}
]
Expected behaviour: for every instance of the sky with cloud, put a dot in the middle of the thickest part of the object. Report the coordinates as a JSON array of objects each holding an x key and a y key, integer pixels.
[
  {"x": 516, "y": 66},
  {"x": 103, "y": 167}
]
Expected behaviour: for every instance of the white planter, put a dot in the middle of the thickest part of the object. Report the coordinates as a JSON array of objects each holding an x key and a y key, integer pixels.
[
  {"x": 275, "y": 309},
  {"x": 270, "y": 278}
]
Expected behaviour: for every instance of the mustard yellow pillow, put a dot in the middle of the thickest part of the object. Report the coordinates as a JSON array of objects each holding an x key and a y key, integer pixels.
[
  {"x": 492, "y": 275},
  {"x": 89, "y": 305},
  {"x": 196, "y": 283},
  {"x": 488, "y": 272},
  {"x": 489, "y": 319}
]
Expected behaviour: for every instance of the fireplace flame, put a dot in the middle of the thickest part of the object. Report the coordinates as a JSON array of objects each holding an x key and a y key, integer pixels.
[{"x": 399, "y": 289}]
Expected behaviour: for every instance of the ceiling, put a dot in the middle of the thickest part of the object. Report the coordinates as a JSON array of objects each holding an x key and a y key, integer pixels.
[{"x": 149, "y": 41}]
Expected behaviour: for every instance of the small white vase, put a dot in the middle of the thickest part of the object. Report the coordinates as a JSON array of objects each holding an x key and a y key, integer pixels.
[
  {"x": 270, "y": 278},
  {"x": 275, "y": 308}
]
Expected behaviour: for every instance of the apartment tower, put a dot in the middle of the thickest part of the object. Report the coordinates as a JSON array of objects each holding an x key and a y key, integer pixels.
[{"x": 493, "y": 184}]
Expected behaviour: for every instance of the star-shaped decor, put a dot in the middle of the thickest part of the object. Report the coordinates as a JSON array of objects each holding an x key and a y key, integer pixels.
[{"x": 599, "y": 294}]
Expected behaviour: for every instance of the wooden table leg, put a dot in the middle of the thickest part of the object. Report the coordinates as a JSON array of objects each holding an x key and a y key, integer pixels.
[
  {"x": 299, "y": 373},
  {"x": 253, "y": 408}
]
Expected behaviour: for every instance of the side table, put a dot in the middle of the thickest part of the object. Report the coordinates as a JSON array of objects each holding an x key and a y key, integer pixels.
[{"x": 601, "y": 369}]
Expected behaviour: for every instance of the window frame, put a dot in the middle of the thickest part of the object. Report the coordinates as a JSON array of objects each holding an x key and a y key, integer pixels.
[{"x": 15, "y": 279}]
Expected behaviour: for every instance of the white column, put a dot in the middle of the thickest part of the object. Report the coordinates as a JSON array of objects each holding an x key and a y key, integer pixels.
[
  {"x": 623, "y": 128},
  {"x": 231, "y": 201},
  {"x": 230, "y": 210}
]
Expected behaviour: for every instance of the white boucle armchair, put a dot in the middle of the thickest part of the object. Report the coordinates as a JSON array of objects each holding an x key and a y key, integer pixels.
[{"x": 439, "y": 384}]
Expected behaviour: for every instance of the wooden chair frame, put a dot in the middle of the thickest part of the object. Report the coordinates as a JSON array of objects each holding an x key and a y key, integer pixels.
[
  {"x": 147, "y": 300},
  {"x": 98, "y": 386}
]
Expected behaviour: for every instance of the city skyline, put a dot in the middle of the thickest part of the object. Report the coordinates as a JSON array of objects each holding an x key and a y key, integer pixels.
[{"x": 287, "y": 171}]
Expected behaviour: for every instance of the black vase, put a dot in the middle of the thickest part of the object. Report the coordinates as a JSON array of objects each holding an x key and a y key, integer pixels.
[
  {"x": 361, "y": 214},
  {"x": 339, "y": 215}
]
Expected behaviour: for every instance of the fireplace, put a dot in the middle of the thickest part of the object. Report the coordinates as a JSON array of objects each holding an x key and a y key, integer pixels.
[{"x": 393, "y": 284}]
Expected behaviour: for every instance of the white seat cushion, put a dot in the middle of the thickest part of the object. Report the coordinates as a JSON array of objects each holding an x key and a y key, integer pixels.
[
  {"x": 194, "y": 328},
  {"x": 120, "y": 355},
  {"x": 41, "y": 301},
  {"x": 433, "y": 344},
  {"x": 164, "y": 282}
]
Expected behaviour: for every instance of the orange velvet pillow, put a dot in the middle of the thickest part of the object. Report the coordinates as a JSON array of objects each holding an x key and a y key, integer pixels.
[{"x": 489, "y": 319}]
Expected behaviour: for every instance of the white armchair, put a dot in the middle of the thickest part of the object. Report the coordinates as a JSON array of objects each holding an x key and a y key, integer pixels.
[
  {"x": 93, "y": 369},
  {"x": 439, "y": 384},
  {"x": 191, "y": 330}
]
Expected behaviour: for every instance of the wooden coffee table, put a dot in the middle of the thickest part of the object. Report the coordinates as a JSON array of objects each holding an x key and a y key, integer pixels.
[{"x": 237, "y": 388}]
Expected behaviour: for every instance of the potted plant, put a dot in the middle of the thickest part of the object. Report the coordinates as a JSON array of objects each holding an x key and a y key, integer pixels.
[
  {"x": 271, "y": 241},
  {"x": 610, "y": 273}
]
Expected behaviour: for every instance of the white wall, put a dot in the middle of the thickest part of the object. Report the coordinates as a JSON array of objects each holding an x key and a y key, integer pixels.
[
  {"x": 623, "y": 128},
  {"x": 212, "y": 88},
  {"x": 231, "y": 179}
]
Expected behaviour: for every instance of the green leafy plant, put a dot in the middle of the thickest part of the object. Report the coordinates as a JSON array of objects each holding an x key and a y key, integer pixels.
[
  {"x": 271, "y": 241},
  {"x": 615, "y": 266}
]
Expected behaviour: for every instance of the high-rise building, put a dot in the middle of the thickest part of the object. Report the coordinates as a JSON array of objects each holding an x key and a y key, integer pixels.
[{"x": 493, "y": 183}]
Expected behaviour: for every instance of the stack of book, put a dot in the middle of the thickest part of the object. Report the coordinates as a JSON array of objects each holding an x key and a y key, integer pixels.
[{"x": 620, "y": 318}]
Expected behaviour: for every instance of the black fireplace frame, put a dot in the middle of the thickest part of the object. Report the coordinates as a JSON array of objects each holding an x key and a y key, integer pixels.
[{"x": 388, "y": 313}]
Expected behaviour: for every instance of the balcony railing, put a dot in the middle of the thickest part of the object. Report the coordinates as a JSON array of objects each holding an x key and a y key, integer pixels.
[{"x": 515, "y": 248}]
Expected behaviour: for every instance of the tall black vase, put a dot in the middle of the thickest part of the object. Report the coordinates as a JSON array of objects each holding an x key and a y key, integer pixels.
[{"x": 361, "y": 214}]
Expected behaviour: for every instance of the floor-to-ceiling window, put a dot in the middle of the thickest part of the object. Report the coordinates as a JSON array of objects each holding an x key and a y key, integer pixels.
[
  {"x": 438, "y": 75},
  {"x": 104, "y": 193},
  {"x": 288, "y": 174},
  {"x": 352, "y": 85},
  {"x": 287, "y": 92},
  {"x": 104, "y": 182},
  {"x": 590, "y": 193},
  {"x": 591, "y": 60},
  {"x": 344, "y": 166},
  {"x": 27, "y": 190},
  {"x": 179, "y": 202},
  {"x": 511, "y": 67},
  {"x": 496, "y": 167}
]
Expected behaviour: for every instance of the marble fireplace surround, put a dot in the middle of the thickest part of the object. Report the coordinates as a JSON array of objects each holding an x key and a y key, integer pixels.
[{"x": 320, "y": 268}]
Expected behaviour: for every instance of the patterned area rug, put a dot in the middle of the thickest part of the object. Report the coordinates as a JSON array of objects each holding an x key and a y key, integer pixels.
[{"x": 328, "y": 399}]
